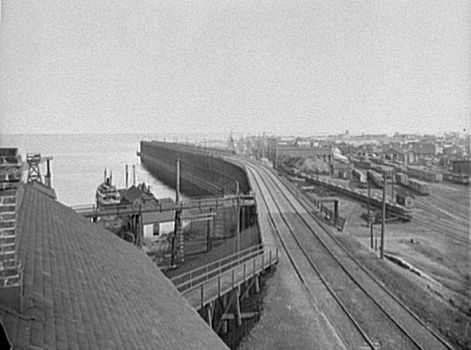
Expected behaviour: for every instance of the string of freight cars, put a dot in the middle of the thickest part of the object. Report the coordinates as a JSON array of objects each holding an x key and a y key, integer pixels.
[
  {"x": 392, "y": 208},
  {"x": 412, "y": 171}
]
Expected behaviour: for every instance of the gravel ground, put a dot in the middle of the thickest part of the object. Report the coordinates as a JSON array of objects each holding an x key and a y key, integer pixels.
[
  {"x": 432, "y": 246},
  {"x": 290, "y": 319}
]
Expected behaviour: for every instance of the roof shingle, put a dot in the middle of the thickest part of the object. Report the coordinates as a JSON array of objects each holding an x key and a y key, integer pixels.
[{"x": 85, "y": 288}]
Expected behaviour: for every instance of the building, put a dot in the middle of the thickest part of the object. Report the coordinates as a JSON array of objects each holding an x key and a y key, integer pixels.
[
  {"x": 462, "y": 167},
  {"x": 395, "y": 153},
  {"x": 420, "y": 152},
  {"x": 324, "y": 154},
  {"x": 68, "y": 283}
]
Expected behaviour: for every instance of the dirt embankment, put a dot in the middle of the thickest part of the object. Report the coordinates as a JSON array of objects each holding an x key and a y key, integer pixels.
[{"x": 306, "y": 165}]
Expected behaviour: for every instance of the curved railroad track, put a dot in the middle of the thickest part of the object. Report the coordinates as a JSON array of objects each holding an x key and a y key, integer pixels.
[{"x": 374, "y": 314}]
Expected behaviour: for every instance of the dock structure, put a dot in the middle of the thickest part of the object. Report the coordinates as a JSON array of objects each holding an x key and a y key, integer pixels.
[
  {"x": 210, "y": 203},
  {"x": 216, "y": 289},
  {"x": 202, "y": 170},
  {"x": 152, "y": 212}
]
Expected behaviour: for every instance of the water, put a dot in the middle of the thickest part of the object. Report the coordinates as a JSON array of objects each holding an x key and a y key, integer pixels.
[{"x": 79, "y": 162}]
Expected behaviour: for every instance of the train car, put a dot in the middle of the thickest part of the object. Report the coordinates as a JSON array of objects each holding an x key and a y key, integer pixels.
[
  {"x": 375, "y": 177},
  {"x": 404, "y": 200},
  {"x": 383, "y": 169},
  {"x": 376, "y": 160},
  {"x": 462, "y": 179},
  {"x": 402, "y": 179},
  {"x": 362, "y": 163},
  {"x": 360, "y": 178},
  {"x": 424, "y": 174},
  {"x": 419, "y": 187}
]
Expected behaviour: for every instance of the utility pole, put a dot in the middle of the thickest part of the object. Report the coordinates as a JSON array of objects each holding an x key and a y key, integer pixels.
[
  {"x": 392, "y": 185},
  {"x": 275, "y": 163},
  {"x": 208, "y": 232},
  {"x": 369, "y": 195},
  {"x": 177, "y": 186},
  {"x": 177, "y": 234},
  {"x": 371, "y": 235},
  {"x": 237, "y": 220},
  {"x": 383, "y": 218}
]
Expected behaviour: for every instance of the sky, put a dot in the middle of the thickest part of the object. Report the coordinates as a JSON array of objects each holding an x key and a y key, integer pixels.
[{"x": 280, "y": 67}]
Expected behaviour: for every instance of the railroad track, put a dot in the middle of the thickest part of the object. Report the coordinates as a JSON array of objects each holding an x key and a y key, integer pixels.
[
  {"x": 374, "y": 315},
  {"x": 443, "y": 227}
]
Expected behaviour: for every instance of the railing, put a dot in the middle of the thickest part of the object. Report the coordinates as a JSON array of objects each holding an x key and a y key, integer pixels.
[
  {"x": 84, "y": 208},
  {"x": 194, "y": 278},
  {"x": 215, "y": 285},
  {"x": 329, "y": 215},
  {"x": 212, "y": 202}
]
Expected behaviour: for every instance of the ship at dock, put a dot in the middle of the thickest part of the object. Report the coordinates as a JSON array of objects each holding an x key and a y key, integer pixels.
[{"x": 106, "y": 193}]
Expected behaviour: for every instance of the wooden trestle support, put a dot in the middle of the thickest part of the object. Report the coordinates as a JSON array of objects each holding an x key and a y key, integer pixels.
[{"x": 226, "y": 309}]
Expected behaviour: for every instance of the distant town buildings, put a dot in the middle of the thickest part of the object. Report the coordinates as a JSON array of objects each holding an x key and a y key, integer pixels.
[{"x": 447, "y": 153}]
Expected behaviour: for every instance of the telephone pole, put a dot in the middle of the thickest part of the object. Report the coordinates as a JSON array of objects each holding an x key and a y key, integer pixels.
[
  {"x": 383, "y": 218},
  {"x": 369, "y": 195},
  {"x": 177, "y": 232}
]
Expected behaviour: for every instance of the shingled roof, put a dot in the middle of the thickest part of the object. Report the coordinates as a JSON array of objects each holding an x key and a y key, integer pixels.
[{"x": 85, "y": 288}]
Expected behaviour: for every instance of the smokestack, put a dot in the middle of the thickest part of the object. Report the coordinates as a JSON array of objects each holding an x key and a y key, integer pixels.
[
  {"x": 134, "y": 174},
  {"x": 127, "y": 176}
]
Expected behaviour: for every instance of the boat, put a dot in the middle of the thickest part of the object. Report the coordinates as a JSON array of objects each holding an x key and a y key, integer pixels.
[{"x": 107, "y": 193}]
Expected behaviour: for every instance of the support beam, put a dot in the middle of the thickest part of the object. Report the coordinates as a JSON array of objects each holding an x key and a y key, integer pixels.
[
  {"x": 209, "y": 314},
  {"x": 243, "y": 315},
  {"x": 227, "y": 306},
  {"x": 257, "y": 283},
  {"x": 247, "y": 289},
  {"x": 237, "y": 306}
]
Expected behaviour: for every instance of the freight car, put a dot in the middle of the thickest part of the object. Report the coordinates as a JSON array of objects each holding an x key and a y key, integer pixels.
[
  {"x": 419, "y": 186},
  {"x": 383, "y": 169},
  {"x": 424, "y": 174},
  {"x": 402, "y": 179},
  {"x": 362, "y": 163},
  {"x": 360, "y": 178},
  {"x": 404, "y": 200},
  {"x": 375, "y": 177},
  {"x": 462, "y": 179}
]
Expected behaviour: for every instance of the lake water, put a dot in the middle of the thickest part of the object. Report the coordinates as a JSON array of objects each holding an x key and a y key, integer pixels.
[{"x": 79, "y": 162}]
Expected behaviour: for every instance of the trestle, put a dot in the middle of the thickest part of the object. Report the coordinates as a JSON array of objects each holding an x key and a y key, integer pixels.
[{"x": 226, "y": 310}]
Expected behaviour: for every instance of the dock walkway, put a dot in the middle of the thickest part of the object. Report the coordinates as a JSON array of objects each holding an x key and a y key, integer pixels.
[{"x": 205, "y": 284}]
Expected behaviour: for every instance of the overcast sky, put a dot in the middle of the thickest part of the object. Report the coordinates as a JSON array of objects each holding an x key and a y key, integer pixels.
[{"x": 285, "y": 67}]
